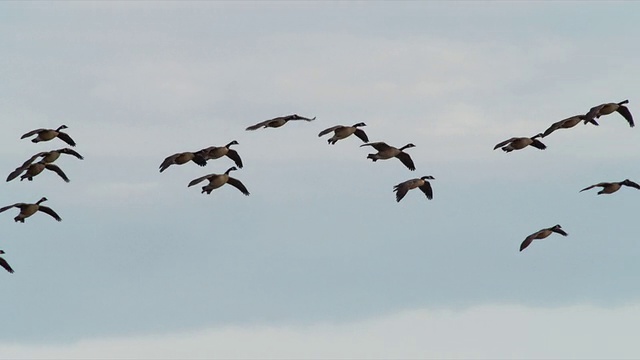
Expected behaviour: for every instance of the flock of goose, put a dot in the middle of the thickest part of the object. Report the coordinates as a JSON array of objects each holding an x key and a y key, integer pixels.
[{"x": 29, "y": 169}]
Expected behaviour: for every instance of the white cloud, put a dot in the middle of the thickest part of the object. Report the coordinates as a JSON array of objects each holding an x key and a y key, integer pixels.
[{"x": 508, "y": 331}]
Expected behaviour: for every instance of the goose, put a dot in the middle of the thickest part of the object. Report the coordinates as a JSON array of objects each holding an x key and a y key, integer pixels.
[
  {"x": 341, "y": 132},
  {"x": 608, "y": 108},
  {"x": 217, "y": 180},
  {"x": 421, "y": 183},
  {"x": 5, "y": 264},
  {"x": 47, "y": 157},
  {"x": 517, "y": 143},
  {"x": 183, "y": 158},
  {"x": 568, "y": 123},
  {"x": 278, "y": 121},
  {"x": 27, "y": 210},
  {"x": 387, "y": 152},
  {"x": 48, "y": 134},
  {"x": 611, "y": 187},
  {"x": 31, "y": 170},
  {"x": 215, "y": 152},
  {"x": 541, "y": 234}
]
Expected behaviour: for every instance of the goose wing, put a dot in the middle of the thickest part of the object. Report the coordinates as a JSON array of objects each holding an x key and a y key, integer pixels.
[
  {"x": 57, "y": 170},
  {"x": 380, "y": 146},
  {"x": 233, "y": 155},
  {"x": 361, "y": 134},
  {"x": 501, "y": 144},
  {"x": 528, "y": 241},
  {"x": 6, "y": 265},
  {"x": 200, "y": 179},
  {"x": 594, "y": 112},
  {"x": 328, "y": 130},
  {"x": 259, "y": 125},
  {"x": 538, "y": 144},
  {"x": 32, "y": 132},
  {"x": 238, "y": 185},
  {"x": 168, "y": 162},
  {"x": 632, "y": 184},
  {"x": 49, "y": 211},
  {"x": 555, "y": 126},
  {"x": 406, "y": 160},
  {"x": 594, "y": 185},
  {"x": 401, "y": 189},
  {"x": 70, "y": 152},
  {"x": 560, "y": 231},
  {"x": 199, "y": 159},
  {"x": 427, "y": 190},
  {"x": 18, "y": 205},
  {"x": 24, "y": 166},
  {"x": 66, "y": 138},
  {"x": 624, "y": 111}
]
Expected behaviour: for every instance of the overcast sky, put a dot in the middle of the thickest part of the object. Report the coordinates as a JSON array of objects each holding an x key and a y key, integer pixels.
[{"x": 320, "y": 260}]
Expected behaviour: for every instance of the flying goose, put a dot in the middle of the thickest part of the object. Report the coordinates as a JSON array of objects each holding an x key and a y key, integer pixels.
[
  {"x": 340, "y": 132},
  {"x": 278, "y": 121},
  {"x": 183, "y": 158},
  {"x": 5, "y": 264},
  {"x": 47, "y": 157},
  {"x": 608, "y": 108},
  {"x": 27, "y": 210},
  {"x": 48, "y": 134},
  {"x": 568, "y": 123},
  {"x": 31, "y": 170},
  {"x": 421, "y": 183},
  {"x": 217, "y": 180},
  {"x": 611, "y": 187},
  {"x": 541, "y": 234},
  {"x": 387, "y": 152},
  {"x": 215, "y": 152},
  {"x": 517, "y": 143}
]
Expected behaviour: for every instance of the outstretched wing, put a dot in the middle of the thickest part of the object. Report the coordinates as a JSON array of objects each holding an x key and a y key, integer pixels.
[
  {"x": 406, "y": 160},
  {"x": 555, "y": 126},
  {"x": 32, "y": 132},
  {"x": 168, "y": 162},
  {"x": 200, "y": 179},
  {"x": 361, "y": 134},
  {"x": 49, "y": 211},
  {"x": 632, "y": 184},
  {"x": 380, "y": 146},
  {"x": 199, "y": 159},
  {"x": 66, "y": 138},
  {"x": 70, "y": 152},
  {"x": 538, "y": 144},
  {"x": 426, "y": 189},
  {"x": 259, "y": 125},
  {"x": 57, "y": 170},
  {"x": 10, "y": 206},
  {"x": 527, "y": 241},
  {"x": 24, "y": 166},
  {"x": 401, "y": 190},
  {"x": 592, "y": 186},
  {"x": 624, "y": 111},
  {"x": 503, "y": 143},
  {"x": 233, "y": 155},
  {"x": 6, "y": 265},
  {"x": 560, "y": 231},
  {"x": 238, "y": 185},
  {"x": 333, "y": 128}
]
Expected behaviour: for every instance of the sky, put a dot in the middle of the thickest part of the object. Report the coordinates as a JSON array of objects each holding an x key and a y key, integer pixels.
[{"x": 320, "y": 261}]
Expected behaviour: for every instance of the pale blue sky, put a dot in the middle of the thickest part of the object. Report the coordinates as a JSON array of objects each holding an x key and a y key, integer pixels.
[{"x": 320, "y": 240}]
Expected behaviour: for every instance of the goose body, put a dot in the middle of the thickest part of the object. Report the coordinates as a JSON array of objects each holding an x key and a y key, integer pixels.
[
  {"x": 217, "y": 180},
  {"x": 420, "y": 183},
  {"x": 608, "y": 108},
  {"x": 568, "y": 123},
  {"x": 27, "y": 210},
  {"x": 5, "y": 264},
  {"x": 49, "y": 134},
  {"x": 387, "y": 152},
  {"x": 278, "y": 121},
  {"x": 215, "y": 152},
  {"x": 517, "y": 143},
  {"x": 182, "y": 158},
  {"x": 342, "y": 132},
  {"x": 541, "y": 234},
  {"x": 32, "y": 170},
  {"x": 611, "y": 187}
]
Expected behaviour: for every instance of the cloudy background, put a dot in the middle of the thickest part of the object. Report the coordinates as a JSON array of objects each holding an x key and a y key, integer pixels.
[{"x": 320, "y": 261}]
